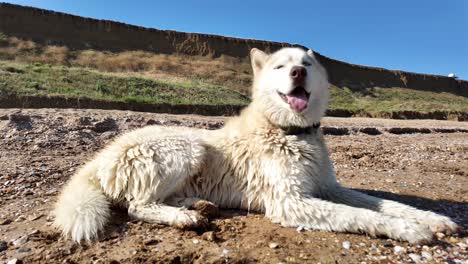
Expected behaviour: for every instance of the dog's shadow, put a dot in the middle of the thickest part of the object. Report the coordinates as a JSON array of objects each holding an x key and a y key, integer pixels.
[{"x": 457, "y": 210}]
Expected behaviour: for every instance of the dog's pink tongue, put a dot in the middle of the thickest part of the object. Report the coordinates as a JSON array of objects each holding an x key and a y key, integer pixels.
[{"x": 298, "y": 100}]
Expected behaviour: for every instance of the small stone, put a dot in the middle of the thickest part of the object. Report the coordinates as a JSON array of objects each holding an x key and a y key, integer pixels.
[
  {"x": 453, "y": 240},
  {"x": 50, "y": 218},
  {"x": 3, "y": 246},
  {"x": 34, "y": 217},
  {"x": 226, "y": 251},
  {"x": 23, "y": 250},
  {"x": 462, "y": 245},
  {"x": 20, "y": 241},
  {"x": 427, "y": 255},
  {"x": 209, "y": 236},
  {"x": 14, "y": 261},
  {"x": 5, "y": 221},
  {"x": 346, "y": 244},
  {"x": 151, "y": 242},
  {"x": 398, "y": 250},
  {"x": 153, "y": 122},
  {"x": 196, "y": 241},
  {"x": 386, "y": 243},
  {"x": 107, "y": 124},
  {"x": 20, "y": 218},
  {"x": 415, "y": 257},
  {"x": 440, "y": 235},
  {"x": 300, "y": 229},
  {"x": 273, "y": 245},
  {"x": 34, "y": 232}
]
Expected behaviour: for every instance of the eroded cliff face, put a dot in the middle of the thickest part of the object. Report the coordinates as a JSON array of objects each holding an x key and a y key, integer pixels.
[{"x": 86, "y": 33}]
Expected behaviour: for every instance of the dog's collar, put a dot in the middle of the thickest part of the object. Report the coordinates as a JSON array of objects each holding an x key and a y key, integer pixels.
[{"x": 297, "y": 130}]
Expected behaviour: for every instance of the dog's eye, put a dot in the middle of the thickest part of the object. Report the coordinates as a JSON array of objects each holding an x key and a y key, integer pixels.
[
  {"x": 279, "y": 67},
  {"x": 306, "y": 63}
]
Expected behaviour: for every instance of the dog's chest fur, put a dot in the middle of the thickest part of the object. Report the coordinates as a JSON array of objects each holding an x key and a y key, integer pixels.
[{"x": 250, "y": 170}]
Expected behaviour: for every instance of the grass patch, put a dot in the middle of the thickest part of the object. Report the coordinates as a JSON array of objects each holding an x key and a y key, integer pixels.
[
  {"x": 223, "y": 71},
  {"x": 46, "y": 79},
  {"x": 395, "y": 99}
]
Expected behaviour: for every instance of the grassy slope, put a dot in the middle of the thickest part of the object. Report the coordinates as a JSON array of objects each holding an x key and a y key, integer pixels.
[
  {"x": 44, "y": 79},
  {"x": 29, "y": 68},
  {"x": 396, "y": 99},
  {"x": 40, "y": 79}
]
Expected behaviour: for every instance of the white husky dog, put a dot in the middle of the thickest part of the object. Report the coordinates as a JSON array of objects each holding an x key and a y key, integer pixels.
[{"x": 271, "y": 159}]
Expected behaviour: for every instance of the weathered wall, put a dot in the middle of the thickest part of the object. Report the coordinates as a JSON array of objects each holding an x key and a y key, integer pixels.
[{"x": 83, "y": 33}]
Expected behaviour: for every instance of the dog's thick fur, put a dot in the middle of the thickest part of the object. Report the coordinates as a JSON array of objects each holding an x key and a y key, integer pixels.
[{"x": 252, "y": 163}]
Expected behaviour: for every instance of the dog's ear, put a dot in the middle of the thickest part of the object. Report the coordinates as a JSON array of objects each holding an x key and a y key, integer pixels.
[
  {"x": 257, "y": 58},
  {"x": 311, "y": 54}
]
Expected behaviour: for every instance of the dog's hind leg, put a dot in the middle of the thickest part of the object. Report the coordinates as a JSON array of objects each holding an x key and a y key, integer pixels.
[
  {"x": 167, "y": 215},
  {"x": 147, "y": 174},
  {"x": 436, "y": 222}
]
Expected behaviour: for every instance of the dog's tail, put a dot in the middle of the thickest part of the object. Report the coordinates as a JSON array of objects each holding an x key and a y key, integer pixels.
[{"x": 82, "y": 209}]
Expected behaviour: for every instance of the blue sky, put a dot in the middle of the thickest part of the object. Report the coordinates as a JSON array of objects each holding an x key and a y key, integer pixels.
[{"x": 428, "y": 36}]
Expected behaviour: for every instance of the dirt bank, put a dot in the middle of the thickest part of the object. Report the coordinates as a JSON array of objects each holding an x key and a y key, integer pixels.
[{"x": 82, "y": 33}]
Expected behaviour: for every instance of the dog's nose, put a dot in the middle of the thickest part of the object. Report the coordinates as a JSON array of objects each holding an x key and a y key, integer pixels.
[{"x": 298, "y": 73}]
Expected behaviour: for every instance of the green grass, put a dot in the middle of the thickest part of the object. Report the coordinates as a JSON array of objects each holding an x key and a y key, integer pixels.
[
  {"x": 395, "y": 99},
  {"x": 43, "y": 79}
]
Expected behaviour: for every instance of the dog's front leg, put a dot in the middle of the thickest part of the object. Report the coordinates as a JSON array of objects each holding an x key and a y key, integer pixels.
[
  {"x": 314, "y": 213},
  {"x": 436, "y": 222}
]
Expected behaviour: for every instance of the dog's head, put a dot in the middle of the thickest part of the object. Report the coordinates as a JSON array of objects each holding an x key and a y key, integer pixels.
[{"x": 290, "y": 86}]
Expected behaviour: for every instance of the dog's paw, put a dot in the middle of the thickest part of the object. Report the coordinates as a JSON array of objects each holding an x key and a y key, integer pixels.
[
  {"x": 206, "y": 208},
  {"x": 439, "y": 223},
  {"x": 411, "y": 231},
  {"x": 190, "y": 220}
]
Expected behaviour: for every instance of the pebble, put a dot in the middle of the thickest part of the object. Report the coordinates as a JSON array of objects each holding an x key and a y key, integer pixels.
[
  {"x": 386, "y": 243},
  {"x": 273, "y": 245},
  {"x": 20, "y": 241},
  {"x": 14, "y": 261},
  {"x": 440, "y": 235},
  {"x": 150, "y": 242},
  {"x": 23, "y": 250},
  {"x": 462, "y": 245},
  {"x": 346, "y": 244},
  {"x": 50, "y": 218},
  {"x": 20, "y": 218},
  {"x": 226, "y": 251},
  {"x": 3, "y": 246},
  {"x": 427, "y": 255},
  {"x": 34, "y": 232},
  {"x": 398, "y": 250},
  {"x": 415, "y": 257},
  {"x": 209, "y": 236},
  {"x": 5, "y": 221},
  {"x": 300, "y": 229},
  {"x": 35, "y": 217},
  {"x": 196, "y": 241}
]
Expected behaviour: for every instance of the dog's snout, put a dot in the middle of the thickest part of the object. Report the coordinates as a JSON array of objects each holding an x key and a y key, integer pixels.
[{"x": 298, "y": 73}]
